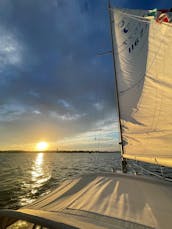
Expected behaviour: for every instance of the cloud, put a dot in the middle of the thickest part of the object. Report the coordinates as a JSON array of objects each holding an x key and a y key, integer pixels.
[
  {"x": 101, "y": 137},
  {"x": 53, "y": 85},
  {"x": 98, "y": 106},
  {"x": 11, "y": 112},
  {"x": 66, "y": 116},
  {"x": 10, "y": 49},
  {"x": 36, "y": 112}
]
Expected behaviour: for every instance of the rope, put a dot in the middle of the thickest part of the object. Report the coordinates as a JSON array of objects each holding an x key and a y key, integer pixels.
[
  {"x": 135, "y": 17},
  {"x": 140, "y": 18},
  {"x": 152, "y": 173}
]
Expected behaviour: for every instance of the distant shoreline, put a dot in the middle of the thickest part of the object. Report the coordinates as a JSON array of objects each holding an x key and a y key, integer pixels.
[{"x": 54, "y": 151}]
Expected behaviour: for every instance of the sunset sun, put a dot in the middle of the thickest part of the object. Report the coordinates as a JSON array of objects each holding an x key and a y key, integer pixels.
[{"x": 41, "y": 146}]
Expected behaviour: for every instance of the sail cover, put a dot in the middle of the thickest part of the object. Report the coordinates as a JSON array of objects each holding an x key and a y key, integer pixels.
[{"x": 143, "y": 61}]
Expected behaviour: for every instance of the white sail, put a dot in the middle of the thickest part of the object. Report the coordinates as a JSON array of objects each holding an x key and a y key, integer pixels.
[{"x": 143, "y": 60}]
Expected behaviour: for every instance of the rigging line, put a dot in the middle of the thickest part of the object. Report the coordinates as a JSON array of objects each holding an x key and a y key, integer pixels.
[
  {"x": 152, "y": 173},
  {"x": 135, "y": 17},
  {"x": 143, "y": 19},
  {"x": 132, "y": 168},
  {"x": 104, "y": 53}
]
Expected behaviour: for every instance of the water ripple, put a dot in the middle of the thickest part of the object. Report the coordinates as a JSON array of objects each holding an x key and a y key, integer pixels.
[{"x": 26, "y": 176}]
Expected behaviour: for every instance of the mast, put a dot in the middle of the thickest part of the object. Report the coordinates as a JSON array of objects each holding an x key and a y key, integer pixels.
[{"x": 124, "y": 161}]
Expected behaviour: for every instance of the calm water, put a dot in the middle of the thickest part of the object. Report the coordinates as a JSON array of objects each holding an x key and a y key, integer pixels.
[{"x": 26, "y": 176}]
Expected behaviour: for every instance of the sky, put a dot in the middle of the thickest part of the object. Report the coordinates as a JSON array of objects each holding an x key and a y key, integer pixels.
[{"x": 54, "y": 87}]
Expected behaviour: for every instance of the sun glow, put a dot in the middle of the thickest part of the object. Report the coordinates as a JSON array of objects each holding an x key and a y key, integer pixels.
[{"x": 41, "y": 146}]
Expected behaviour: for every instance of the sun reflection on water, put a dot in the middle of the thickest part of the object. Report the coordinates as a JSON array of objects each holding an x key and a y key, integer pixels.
[
  {"x": 39, "y": 177},
  {"x": 39, "y": 173},
  {"x": 37, "y": 168},
  {"x": 39, "y": 159}
]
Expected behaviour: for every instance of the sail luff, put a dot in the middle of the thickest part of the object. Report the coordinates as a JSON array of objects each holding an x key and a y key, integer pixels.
[{"x": 116, "y": 83}]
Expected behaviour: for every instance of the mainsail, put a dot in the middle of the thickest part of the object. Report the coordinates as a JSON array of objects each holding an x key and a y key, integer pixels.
[{"x": 143, "y": 61}]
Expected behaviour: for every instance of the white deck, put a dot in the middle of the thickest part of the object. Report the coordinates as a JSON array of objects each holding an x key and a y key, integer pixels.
[{"x": 108, "y": 201}]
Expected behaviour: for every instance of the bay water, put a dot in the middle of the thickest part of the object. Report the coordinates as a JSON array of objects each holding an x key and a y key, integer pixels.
[{"x": 26, "y": 176}]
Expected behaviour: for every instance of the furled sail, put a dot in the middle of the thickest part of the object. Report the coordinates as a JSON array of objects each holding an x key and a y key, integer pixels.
[{"x": 143, "y": 61}]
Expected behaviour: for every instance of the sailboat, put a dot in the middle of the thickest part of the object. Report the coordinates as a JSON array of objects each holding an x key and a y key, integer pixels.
[{"x": 142, "y": 52}]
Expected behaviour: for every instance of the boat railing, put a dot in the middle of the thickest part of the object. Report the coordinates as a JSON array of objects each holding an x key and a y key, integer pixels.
[{"x": 161, "y": 175}]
